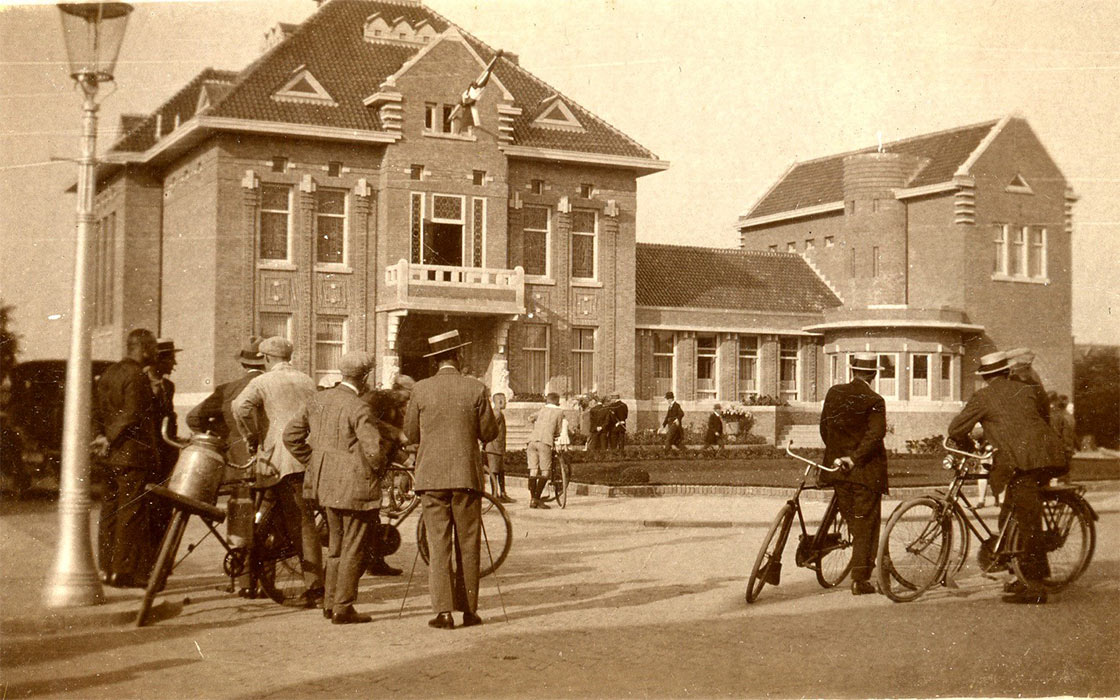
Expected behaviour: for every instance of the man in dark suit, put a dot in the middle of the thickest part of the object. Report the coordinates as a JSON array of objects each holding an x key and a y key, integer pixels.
[
  {"x": 125, "y": 414},
  {"x": 713, "y": 436},
  {"x": 618, "y": 413},
  {"x": 335, "y": 437},
  {"x": 448, "y": 416},
  {"x": 853, "y": 424},
  {"x": 674, "y": 432},
  {"x": 599, "y": 424},
  {"x": 164, "y": 391},
  {"x": 1028, "y": 454}
]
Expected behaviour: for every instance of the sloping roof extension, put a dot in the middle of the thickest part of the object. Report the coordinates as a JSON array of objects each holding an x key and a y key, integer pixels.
[
  {"x": 820, "y": 181},
  {"x": 331, "y": 46},
  {"x": 182, "y": 104},
  {"x": 723, "y": 278}
]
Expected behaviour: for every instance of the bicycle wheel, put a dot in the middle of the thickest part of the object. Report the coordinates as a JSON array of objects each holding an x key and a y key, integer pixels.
[
  {"x": 561, "y": 486},
  {"x": 1069, "y": 537},
  {"x": 768, "y": 564},
  {"x": 496, "y": 532},
  {"x": 165, "y": 561},
  {"x": 962, "y": 542},
  {"x": 834, "y": 547},
  {"x": 276, "y": 560},
  {"x": 398, "y": 498},
  {"x": 914, "y": 549}
]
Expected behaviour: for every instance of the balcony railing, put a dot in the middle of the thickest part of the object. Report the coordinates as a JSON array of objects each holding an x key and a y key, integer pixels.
[{"x": 445, "y": 288}]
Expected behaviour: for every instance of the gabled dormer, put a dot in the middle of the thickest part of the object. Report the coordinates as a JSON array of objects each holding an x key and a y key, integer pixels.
[
  {"x": 554, "y": 114},
  {"x": 1019, "y": 185},
  {"x": 397, "y": 30},
  {"x": 304, "y": 88}
]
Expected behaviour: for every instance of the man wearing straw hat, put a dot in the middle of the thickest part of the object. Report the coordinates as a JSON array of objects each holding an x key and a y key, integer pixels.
[
  {"x": 853, "y": 424},
  {"x": 448, "y": 416},
  {"x": 1028, "y": 454}
]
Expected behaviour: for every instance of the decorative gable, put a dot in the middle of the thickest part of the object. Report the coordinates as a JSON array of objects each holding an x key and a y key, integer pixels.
[
  {"x": 1019, "y": 185},
  {"x": 557, "y": 115},
  {"x": 378, "y": 29},
  {"x": 303, "y": 87}
]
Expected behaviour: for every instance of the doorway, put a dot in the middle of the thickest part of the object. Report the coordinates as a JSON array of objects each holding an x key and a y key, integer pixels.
[{"x": 444, "y": 244}]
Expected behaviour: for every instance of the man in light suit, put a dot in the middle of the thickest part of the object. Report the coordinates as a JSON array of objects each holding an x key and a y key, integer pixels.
[
  {"x": 1028, "y": 454},
  {"x": 336, "y": 438},
  {"x": 448, "y": 416},
  {"x": 853, "y": 424},
  {"x": 261, "y": 410},
  {"x": 547, "y": 426}
]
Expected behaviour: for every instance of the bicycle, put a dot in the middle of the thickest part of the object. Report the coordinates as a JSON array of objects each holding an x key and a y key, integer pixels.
[
  {"x": 496, "y": 530},
  {"x": 926, "y": 540},
  {"x": 559, "y": 474},
  {"x": 828, "y": 551}
]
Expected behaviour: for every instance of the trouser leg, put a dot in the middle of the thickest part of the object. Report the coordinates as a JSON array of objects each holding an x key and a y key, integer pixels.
[
  {"x": 334, "y": 553},
  {"x": 502, "y": 483},
  {"x": 106, "y": 522},
  {"x": 355, "y": 526},
  {"x": 467, "y": 514},
  {"x": 1024, "y": 501},
  {"x": 437, "y": 523},
  {"x": 299, "y": 523},
  {"x": 860, "y": 507},
  {"x": 132, "y": 551}
]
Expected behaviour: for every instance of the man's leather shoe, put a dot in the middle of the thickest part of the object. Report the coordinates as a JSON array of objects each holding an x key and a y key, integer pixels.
[
  {"x": 1026, "y": 597},
  {"x": 506, "y": 499},
  {"x": 1014, "y": 586},
  {"x": 328, "y": 613},
  {"x": 311, "y": 598},
  {"x": 381, "y": 568},
  {"x": 443, "y": 621},
  {"x": 862, "y": 588},
  {"x": 543, "y": 506},
  {"x": 470, "y": 619},
  {"x": 349, "y": 616},
  {"x": 125, "y": 581}
]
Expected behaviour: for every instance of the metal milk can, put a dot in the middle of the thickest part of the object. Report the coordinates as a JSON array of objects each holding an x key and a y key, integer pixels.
[{"x": 200, "y": 470}]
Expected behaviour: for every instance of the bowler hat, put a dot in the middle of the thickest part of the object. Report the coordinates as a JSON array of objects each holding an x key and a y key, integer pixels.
[
  {"x": 445, "y": 342},
  {"x": 165, "y": 346},
  {"x": 277, "y": 346},
  {"x": 356, "y": 363},
  {"x": 864, "y": 361},
  {"x": 992, "y": 363},
  {"x": 251, "y": 352}
]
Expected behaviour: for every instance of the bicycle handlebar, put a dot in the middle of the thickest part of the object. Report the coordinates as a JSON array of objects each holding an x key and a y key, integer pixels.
[
  {"x": 807, "y": 460},
  {"x": 986, "y": 454}
]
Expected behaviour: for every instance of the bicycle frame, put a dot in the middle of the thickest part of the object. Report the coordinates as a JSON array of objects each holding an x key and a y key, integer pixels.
[
  {"x": 954, "y": 496},
  {"x": 811, "y": 557}
]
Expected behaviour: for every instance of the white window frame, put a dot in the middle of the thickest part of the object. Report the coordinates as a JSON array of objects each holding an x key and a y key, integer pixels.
[
  {"x": 951, "y": 382},
  {"x": 284, "y": 317},
  {"x": 584, "y": 354},
  {"x": 286, "y": 261},
  {"x": 879, "y": 376},
  {"x": 740, "y": 392},
  {"x": 433, "y": 117},
  {"x": 525, "y": 349},
  {"x": 714, "y": 393},
  {"x": 1040, "y": 251},
  {"x": 345, "y": 216},
  {"x": 464, "y": 250},
  {"x": 914, "y": 395},
  {"x": 1002, "y": 246},
  {"x": 1018, "y": 250},
  {"x": 796, "y": 393},
  {"x": 594, "y": 247},
  {"x": 316, "y": 343},
  {"x": 672, "y": 355},
  {"x": 547, "y": 276}
]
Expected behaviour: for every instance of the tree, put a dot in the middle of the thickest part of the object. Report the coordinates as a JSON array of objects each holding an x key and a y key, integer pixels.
[
  {"x": 1096, "y": 393},
  {"x": 9, "y": 341}
]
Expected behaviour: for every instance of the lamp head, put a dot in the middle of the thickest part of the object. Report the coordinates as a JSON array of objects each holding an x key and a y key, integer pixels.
[{"x": 93, "y": 32}]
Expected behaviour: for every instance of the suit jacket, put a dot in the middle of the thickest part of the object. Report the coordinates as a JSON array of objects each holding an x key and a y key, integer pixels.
[
  {"x": 263, "y": 409},
  {"x": 335, "y": 437},
  {"x": 215, "y": 416},
  {"x": 546, "y": 424},
  {"x": 497, "y": 446},
  {"x": 1028, "y": 376},
  {"x": 715, "y": 429},
  {"x": 675, "y": 413},
  {"x": 164, "y": 391},
  {"x": 125, "y": 412},
  {"x": 619, "y": 412},
  {"x": 447, "y": 417},
  {"x": 1008, "y": 411},
  {"x": 853, "y": 424}
]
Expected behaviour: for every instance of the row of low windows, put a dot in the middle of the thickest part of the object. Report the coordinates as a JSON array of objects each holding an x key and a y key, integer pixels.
[
  {"x": 927, "y": 376},
  {"x": 706, "y": 370}
]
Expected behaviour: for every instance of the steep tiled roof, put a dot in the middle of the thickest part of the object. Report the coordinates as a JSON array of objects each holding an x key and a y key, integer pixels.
[
  {"x": 183, "y": 105},
  {"x": 820, "y": 181},
  {"x": 721, "y": 278},
  {"x": 331, "y": 46}
]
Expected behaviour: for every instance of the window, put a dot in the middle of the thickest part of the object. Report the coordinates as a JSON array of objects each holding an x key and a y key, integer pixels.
[
  {"x": 430, "y": 111},
  {"x": 330, "y": 226},
  {"x": 536, "y": 186},
  {"x": 276, "y": 203},
  {"x": 586, "y": 190},
  {"x": 1036, "y": 253},
  {"x": 416, "y": 172},
  {"x": 946, "y": 389},
  {"x": 446, "y": 126},
  {"x": 443, "y": 235},
  {"x": 478, "y": 177},
  {"x": 535, "y": 240},
  {"x": 705, "y": 366},
  {"x": 334, "y": 168},
  {"x": 583, "y": 360},
  {"x": 279, "y": 164},
  {"x": 748, "y": 367},
  {"x": 886, "y": 381},
  {"x": 1017, "y": 262},
  {"x": 104, "y": 263},
  {"x": 535, "y": 352},
  {"x": 837, "y": 369},
  {"x": 275, "y": 324},
  {"x": 774, "y": 248},
  {"x": 999, "y": 241},
  {"x": 330, "y": 344},
  {"x": 920, "y": 376},
  {"x": 810, "y": 243},
  {"x": 791, "y": 247},
  {"x": 663, "y": 343},
  {"x": 787, "y": 368},
  {"x": 828, "y": 241},
  {"x": 852, "y": 264},
  {"x": 875, "y": 261},
  {"x": 584, "y": 224}
]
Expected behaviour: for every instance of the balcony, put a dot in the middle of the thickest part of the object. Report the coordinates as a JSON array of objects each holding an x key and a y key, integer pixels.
[{"x": 448, "y": 289}]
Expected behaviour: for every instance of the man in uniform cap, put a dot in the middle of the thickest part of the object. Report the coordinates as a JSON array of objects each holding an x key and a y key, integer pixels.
[
  {"x": 448, "y": 416},
  {"x": 261, "y": 410},
  {"x": 1028, "y": 454},
  {"x": 335, "y": 437},
  {"x": 853, "y": 424}
]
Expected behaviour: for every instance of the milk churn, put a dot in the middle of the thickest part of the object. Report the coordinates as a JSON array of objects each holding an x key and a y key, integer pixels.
[{"x": 199, "y": 472}]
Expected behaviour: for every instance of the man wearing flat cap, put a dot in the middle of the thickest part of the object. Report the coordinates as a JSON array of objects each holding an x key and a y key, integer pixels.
[
  {"x": 853, "y": 425},
  {"x": 261, "y": 411},
  {"x": 448, "y": 416},
  {"x": 335, "y": 437},
  {"x": 1028, "y": 454}
]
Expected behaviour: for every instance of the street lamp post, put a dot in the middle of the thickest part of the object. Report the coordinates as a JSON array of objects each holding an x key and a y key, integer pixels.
[{"x": 93, "y": 33}]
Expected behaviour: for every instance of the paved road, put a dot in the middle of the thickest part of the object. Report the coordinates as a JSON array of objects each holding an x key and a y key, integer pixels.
[{"x": 598, "y": 606}]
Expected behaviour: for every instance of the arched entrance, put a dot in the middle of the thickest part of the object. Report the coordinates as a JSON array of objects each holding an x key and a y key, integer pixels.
[{"x": 416, "y": 328}]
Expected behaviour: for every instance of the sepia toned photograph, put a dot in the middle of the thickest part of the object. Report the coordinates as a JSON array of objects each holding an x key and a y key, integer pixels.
[{"x": 559, "y": 348}]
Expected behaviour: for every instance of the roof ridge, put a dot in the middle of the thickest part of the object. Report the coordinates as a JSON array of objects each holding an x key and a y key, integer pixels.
[
  {"x": 201, "y": 78},
  {"x": 732, "y": 251},
  {"x": 908, "y": 139}
]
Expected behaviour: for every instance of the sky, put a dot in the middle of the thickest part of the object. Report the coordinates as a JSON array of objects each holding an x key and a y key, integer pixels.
[{"x": 730, "y": 92}]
